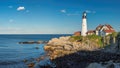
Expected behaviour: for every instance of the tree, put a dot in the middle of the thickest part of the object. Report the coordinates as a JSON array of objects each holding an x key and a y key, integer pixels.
[{"x": 114, "y": 35}]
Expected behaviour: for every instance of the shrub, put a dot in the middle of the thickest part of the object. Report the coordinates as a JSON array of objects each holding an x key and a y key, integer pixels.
[{"x": 76, "y": 38}]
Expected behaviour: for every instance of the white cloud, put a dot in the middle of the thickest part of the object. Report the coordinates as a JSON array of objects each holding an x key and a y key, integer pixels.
[
  {"x": 89, "y": 11},
  {"x": 20, "y": 8},
  {"x": 63, "y": 11},
  {"x": 69, "y": 14}
]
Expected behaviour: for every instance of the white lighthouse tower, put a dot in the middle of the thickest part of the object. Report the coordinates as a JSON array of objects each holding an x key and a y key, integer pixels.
[{"x": 84, "y": 25}]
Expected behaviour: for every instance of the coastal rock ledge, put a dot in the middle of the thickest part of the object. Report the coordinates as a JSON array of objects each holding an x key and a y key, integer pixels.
[
  {"x": 62, "y": 46},
  {"x": 66, "y": 53}
]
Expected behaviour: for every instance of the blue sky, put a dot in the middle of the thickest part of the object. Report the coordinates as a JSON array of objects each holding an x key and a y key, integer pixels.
[{"x": 56, "y": 16}]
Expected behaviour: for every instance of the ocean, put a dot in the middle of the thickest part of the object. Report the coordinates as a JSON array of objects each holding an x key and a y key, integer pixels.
[{"x": 13, "y": 54}]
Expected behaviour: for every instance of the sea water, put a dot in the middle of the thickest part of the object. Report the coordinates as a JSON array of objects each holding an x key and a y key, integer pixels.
[{"x": 12, "y": 54}]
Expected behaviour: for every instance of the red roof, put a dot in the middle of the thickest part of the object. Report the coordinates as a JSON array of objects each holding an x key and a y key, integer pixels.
[
  {"x": 91, "y": 31},
  {"x": 99, "y": 27},
  {"x": 109, "y": 31},
  {"x": 109, "y": 26},
  {"x": 78, "y": 33}
]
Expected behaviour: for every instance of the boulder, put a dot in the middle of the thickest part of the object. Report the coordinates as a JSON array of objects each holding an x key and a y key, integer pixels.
[
  {"x": 60, "y": 41},
  {"x": 111, "y": 66},
  {"x": 95, "y": 65},
  {"x": 76, "y": 45},
  {"x": 39, "y": 42},
  {"x": 68, "y": 47},
  {"x": 43, "y": 64},
  {"x": 65, "y": 38},
  {"x": 47, "y": 48},
  {"x": 27, "y": 42},
  {"x": 31, "y": 65},
  {"x": 52, "y": 41}
]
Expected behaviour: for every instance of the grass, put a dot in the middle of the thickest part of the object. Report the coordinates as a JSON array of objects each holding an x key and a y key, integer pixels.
[{"x": 91, "y": 38}]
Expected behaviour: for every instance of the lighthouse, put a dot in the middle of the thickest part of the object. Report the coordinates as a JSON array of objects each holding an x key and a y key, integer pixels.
[{"x": 84, "y": 24}]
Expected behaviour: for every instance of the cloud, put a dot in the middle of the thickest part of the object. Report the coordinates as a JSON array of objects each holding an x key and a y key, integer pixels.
[
  {"x": 63, "y": 11},
  {"x": 69, "y": 14},
  {"x": 76, "y": 13},
  {"x": 20, "y": 8},
  {"x": 89, "y": 11}
]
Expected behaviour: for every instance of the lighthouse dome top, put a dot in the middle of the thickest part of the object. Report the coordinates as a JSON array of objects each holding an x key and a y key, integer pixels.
[{"x": 84, "y": 15}]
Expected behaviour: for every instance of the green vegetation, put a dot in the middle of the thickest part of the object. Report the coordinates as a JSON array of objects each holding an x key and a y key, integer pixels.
[
  {"x": 96, "y": 41},
  {"x": 118, "y": 34},
  {"x": 95, "y": 38},
  {"x": 114, "y": 34},
  {"x": 89, "y": 39},
  {"x": 76, "y": 38},
  {"x": 111, "y": 37}
]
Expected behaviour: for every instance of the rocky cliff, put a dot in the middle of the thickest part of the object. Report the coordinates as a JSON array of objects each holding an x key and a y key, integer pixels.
[
  {"x": 58, "y": 47},
  {"x": 82, "y": 52}
]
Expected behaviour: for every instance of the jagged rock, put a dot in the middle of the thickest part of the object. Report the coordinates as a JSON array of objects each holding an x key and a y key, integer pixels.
[
  {"x": 70, "y": 54},
  {"x": 111, "y": 66},
  {"x": 25, "y": 60},
  {"x": 61, "y": 41},
  {"x": 36, "y": 47},
  {"x": 95, "y": 65},
  {"x": 65, "y": 38},
  {"x": 47, "y": 48},
  {"x": 76, "y": 45},
  {"x": 27, "y": 42},
  {"x": 33, "y": 42},
  {"x": 44, "y": 62},
  {"x": 68, "y": 47},
  {"x": 31, "y": 65}
]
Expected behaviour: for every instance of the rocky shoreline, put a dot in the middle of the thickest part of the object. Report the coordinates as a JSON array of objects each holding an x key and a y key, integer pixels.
[
  {"x": 40, "y": 62},
  {"x": 58, "y": 47},
  {"x": 83, "y": 59},
  {"x": 67, "y": 54},
  {"x": 33, "y": 42}
]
